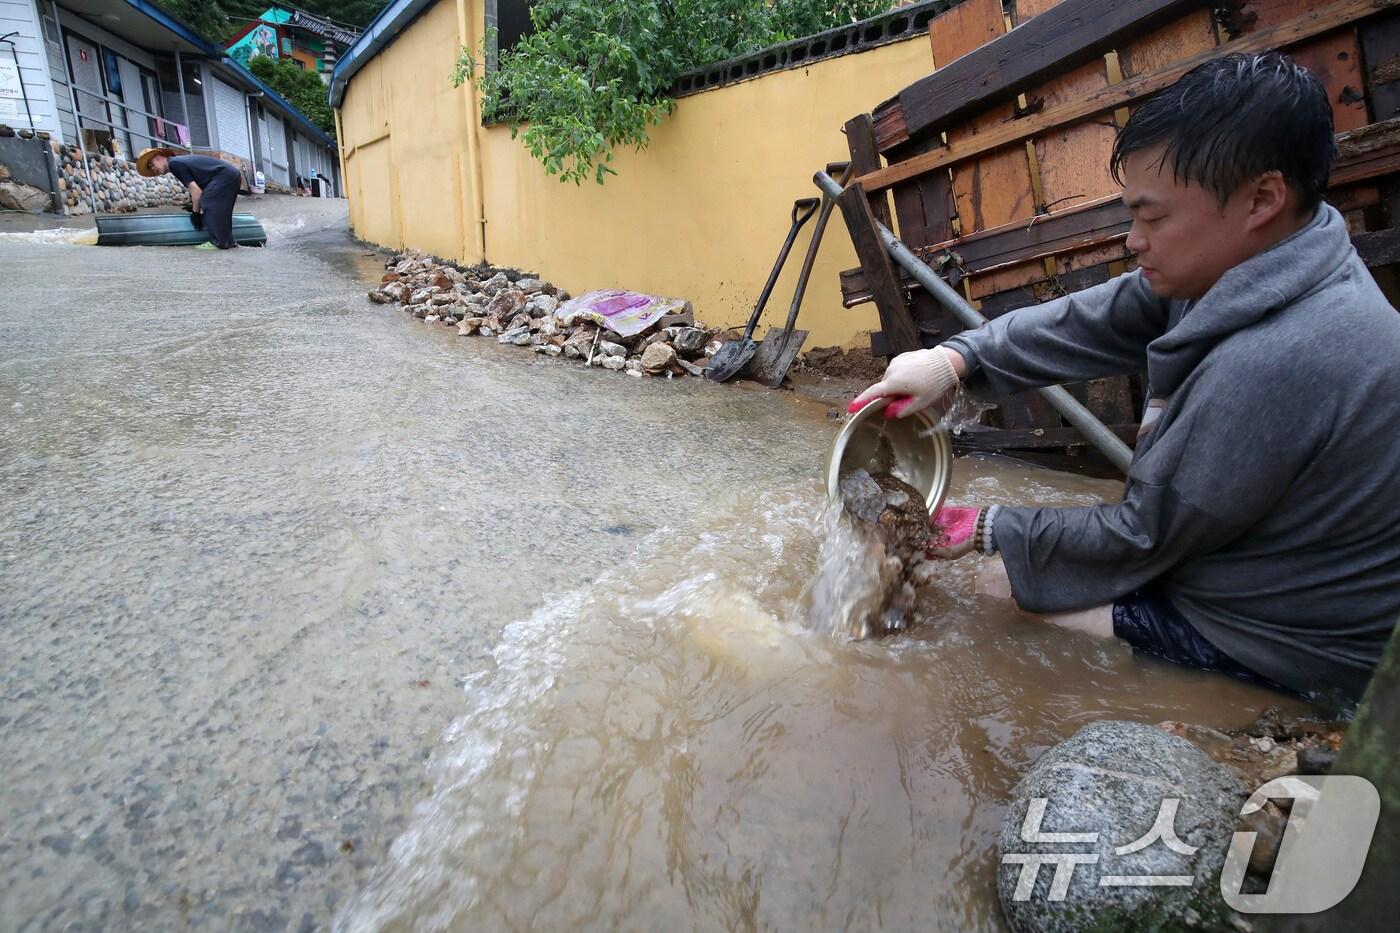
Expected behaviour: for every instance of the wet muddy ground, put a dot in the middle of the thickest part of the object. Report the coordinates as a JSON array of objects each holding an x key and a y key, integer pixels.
[{"x": 286, "y": 577}]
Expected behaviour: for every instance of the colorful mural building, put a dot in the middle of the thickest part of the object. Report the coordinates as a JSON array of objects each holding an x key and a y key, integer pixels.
[{"x": 313, "y": 42}]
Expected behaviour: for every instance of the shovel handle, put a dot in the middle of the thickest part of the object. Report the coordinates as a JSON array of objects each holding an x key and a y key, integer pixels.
[
  {"x": 828, "y": 204},
  {"x": 802, "y": 211}
]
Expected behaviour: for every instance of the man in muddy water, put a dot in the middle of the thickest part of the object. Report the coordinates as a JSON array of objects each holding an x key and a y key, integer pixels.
[
  {"x": 213, "y": 185},
  {"x": 1259, "y": 529}
]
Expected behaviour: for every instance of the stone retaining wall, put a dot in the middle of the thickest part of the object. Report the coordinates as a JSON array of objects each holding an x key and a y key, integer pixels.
[{"x": 119, "y": 189}]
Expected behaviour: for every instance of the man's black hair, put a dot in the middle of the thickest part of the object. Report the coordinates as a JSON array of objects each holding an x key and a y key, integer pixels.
[{"x": 1234, "y": 118}]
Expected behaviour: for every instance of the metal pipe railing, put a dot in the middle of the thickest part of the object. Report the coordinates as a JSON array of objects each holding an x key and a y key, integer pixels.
[
  {"x": 1094, "y": 430},
  {"x": 132, "y": 131}
]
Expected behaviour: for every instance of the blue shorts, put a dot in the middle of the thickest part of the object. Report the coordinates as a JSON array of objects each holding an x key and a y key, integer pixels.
[{"x": 1149, "y": 622}]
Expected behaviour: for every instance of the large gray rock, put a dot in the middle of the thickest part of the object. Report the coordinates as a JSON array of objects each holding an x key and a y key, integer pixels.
[
  {"x": 542, "y": 305},
  {"x": 687, "y": 340},
  {"x": 1111, "y": 778},
  {"x": 658, "y": 357},
  {"x": 507, "y": 303},
  {"x": 18, "y": 197}
]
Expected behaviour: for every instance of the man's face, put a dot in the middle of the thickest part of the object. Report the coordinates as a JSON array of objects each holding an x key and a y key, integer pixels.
[
  {"x": 1185, "y": 240},
  {"x": 160, "y": 164}
]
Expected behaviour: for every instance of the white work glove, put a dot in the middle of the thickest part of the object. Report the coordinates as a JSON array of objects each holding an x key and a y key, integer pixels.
[{"x": 915, "y": 380}]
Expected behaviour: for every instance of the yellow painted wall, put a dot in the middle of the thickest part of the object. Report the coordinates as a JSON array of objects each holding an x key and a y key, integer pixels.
[
  {"x": 699, "y": 214},
  {"x": 404, "y": 133}
]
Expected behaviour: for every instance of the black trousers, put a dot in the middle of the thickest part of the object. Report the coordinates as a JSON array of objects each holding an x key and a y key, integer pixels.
[
  {"x": 1149, "y": 622},
  {"x": 216, "y": 201}
]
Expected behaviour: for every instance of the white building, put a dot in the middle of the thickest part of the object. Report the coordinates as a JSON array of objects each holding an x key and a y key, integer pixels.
[{"x": 137, "y": 78}]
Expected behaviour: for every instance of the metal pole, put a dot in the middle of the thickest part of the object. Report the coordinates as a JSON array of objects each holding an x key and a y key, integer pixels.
[
  {"x": 248, "y": 115},
  {"x": 1098, "y": 434},
  {"x": 19, "y": 73},
  {"x": 77, "y": 117},
  {"x": 184, "y": 104}
]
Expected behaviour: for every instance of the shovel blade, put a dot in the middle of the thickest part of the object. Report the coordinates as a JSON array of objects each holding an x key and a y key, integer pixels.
[
  {"x": 774, "y": 357},
  {"x": 730, "y": 359}
]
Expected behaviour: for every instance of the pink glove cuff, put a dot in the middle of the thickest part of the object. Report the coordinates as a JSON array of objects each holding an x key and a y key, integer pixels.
[{"x": 953, "y": 525}]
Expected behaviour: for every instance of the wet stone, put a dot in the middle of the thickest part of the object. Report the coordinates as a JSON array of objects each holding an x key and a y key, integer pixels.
[
  {"x": 542, "y": 305},
  {"x": 658, "y": 357},
  {"x": 1111, "y": 778},
  {"x": 687, "y": 340},
  {"x": 494, "y": 284}
]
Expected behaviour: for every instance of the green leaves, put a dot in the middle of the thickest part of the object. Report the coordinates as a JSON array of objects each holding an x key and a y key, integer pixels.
[
  {"x": 596, "y": 75},
  {"x": 302, "y": 89}
]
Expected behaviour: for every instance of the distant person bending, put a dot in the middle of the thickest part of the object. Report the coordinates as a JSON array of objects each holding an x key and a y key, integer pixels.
[
  {"x": 213, "y": 185},
  {"x": 1259, "y": 528}
]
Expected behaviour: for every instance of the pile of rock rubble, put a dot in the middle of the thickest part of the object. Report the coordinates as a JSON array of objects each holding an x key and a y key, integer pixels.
[{"x": 529, "y": 312}]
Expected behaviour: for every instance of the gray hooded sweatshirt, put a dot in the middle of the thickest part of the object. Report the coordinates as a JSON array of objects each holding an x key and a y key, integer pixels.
[{"x": 1265, "y": 499}]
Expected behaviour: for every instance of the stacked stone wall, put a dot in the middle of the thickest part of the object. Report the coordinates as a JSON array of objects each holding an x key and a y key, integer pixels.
[{"x": 118, "y": 188}]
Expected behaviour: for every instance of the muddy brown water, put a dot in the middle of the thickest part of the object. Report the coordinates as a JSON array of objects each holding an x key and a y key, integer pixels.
[
  {"x": 256, "y": 531},
  {"x": 675, "y": 749}
]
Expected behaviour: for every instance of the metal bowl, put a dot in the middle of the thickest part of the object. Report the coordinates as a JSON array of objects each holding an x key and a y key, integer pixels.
[{"x": 913, "y": 449}]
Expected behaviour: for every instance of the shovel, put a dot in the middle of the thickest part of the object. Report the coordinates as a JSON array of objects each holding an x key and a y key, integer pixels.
[
  {"x": 734, "y": 354},
  {"x": 780, "y": 347}
]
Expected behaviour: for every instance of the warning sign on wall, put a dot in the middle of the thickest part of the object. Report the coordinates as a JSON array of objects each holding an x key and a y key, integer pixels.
[{"x": 11, "y": 91}]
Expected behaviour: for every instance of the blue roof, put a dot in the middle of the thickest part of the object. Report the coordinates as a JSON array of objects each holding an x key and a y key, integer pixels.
[{"x": 221, "y": 58}]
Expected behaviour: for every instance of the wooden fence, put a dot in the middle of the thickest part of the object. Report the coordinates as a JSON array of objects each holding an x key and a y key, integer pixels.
[{"x": 997, "y": 164}]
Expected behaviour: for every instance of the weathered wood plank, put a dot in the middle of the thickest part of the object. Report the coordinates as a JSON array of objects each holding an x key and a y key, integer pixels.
[
  {"x": 963, "y": 29},
  {"x": 1367, "y": 153},
  {"x": 1313, "y": 23},
  {"x": 895, "y": 320},
  {"x": 1004, "y": 278},
  {"x": 995, "y": 189},
  {"x": 934, "y": 322},
  {"x": 1336, "y": 60},
  {"x": 1378, "y": 248},
  {"x": 1074, "y": 158},
  {"x": 924, "y": 208},
  {"x": 1063, "y": 37},
  {"x": 1089, "y": 224},
  {"x": 860, "y": 140},
  {"x": 1186, "y": 38},
  {"x": 1252, "y": 15},
  {"x": 1022, "y": 10},
  {"x": 1380, "y": 50},
  {"x": 1082, "y": 227}
]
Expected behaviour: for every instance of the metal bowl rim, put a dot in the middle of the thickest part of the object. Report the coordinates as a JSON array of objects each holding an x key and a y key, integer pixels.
[{"x": 941, "y": 443}]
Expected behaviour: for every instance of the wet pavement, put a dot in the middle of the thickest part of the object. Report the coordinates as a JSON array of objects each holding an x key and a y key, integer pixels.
[{"x": 285, "y": 576}]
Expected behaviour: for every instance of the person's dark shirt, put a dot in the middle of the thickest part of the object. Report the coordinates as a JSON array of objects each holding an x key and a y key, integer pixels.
[{"x": 200, "y": 169}]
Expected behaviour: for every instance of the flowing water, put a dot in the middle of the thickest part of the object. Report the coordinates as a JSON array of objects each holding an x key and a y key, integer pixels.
[
  {"x": 258, "y": 532},
  {"x": 673, "y": 748}
]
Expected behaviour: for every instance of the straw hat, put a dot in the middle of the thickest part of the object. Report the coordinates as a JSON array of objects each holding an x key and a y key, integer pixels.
[{"x": 143, "y": 161}]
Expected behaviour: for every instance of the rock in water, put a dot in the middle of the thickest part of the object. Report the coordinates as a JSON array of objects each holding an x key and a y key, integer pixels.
[
  {"x": 1111, "y": 779},
  {"x": 893, "y": 521}
]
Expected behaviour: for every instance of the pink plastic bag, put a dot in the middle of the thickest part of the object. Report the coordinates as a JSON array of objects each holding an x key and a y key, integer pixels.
[{"x": 620, "y": 311}]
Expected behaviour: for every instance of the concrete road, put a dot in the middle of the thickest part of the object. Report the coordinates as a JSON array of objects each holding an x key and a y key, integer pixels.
[{"x": 257, "y": 531}]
